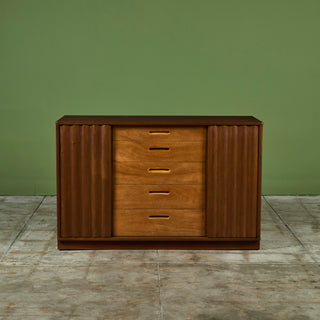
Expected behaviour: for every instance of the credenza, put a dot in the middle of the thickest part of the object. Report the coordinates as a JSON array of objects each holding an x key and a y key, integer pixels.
[{"x": 158, "y": 182}]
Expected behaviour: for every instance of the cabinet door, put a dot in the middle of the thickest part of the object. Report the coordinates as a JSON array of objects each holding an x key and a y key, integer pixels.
[
  {"x": 84, "y": 181},
  {"x": 233, "y": 181}
]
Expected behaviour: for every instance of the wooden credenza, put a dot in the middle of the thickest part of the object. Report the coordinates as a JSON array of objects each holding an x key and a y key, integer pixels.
[{"x": 158, "y": 182}]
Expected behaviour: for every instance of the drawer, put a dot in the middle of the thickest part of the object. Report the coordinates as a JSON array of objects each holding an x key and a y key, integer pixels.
[
  {"x": 166, "y": 172},
  {"x": 158, "y": 222},
  {"x": 154, "y": 133},
  {"x": 159, "y": 151},
  {"x": 159, "y": 196}
]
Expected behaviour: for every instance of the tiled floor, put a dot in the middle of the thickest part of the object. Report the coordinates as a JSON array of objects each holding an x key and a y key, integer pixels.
[{"x": 280, "y": 281}]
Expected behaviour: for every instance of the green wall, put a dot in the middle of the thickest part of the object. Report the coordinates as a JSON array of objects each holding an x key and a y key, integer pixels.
[{"x": 160, "y": 57}]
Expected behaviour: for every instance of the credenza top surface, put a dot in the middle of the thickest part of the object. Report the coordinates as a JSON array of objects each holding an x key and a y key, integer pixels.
[{"x": 159, "y": 120}]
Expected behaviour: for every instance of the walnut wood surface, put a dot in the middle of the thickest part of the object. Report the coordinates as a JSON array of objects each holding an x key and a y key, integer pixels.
[
  {"x": 159, "y": 222},
  {"x": 85, "y": 204},
  {"x": 177, "y": 151},
  {"x": 151, "y": 172},
  {"x": 232, "y": 181},
  {"x": 214, "y": 182},
  {"x": 156, "y": 238},
  {"x": 153, "y": 245},
  {"x": 139, "y": 196},
  {"x": 159, "y": 134},
  {"x": 160, "y": 120}
]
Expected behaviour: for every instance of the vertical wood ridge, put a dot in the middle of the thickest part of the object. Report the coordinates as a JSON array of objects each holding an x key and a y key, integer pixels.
[
  {"x": 74, "y": 175},
  {"x": 234, "y": 173},
  {"x": 106, "y": 179},
  {"x": 85, "y": 226},
  {"x": 65, "y": 177},
  {"x": 93, "y": 181},
  {"x": 225, "y": 173}
]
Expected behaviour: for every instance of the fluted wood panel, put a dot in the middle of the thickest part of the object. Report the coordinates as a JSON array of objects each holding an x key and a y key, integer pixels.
[
  {"x": 232, "y": 181},
  {"x": 85, "y": 181}
]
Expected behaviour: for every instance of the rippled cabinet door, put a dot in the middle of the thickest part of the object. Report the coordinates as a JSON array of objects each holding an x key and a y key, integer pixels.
[
  {"x": 84, "y": 189},
  {"x": 233, "y": 190}
]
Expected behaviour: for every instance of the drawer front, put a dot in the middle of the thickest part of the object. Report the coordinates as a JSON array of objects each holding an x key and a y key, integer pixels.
[
  {"x": 158, "y": 222},
  {"x": 166, "y": 172},
  {"x": 159, "y": 151},
  {"x": 155, "y": 133},
  {"x": 159, "y": 196}
]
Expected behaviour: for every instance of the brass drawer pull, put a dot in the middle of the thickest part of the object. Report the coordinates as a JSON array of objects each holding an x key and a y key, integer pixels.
[
  {"x": 166, "y": 193},
  {"x": 162, "y": 170},
  {"x": 161, "y": 149},
  {"x": 165, "y": 132},
  {"x": 159, "y": 217}
]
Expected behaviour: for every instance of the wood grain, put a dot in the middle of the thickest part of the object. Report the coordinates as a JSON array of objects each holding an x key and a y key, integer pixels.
[
  {"x": 178, "y": 173},
  {"x": 177, "y": 151},
  {"x": 159, "y": 134},
  {"x": 85, "y": 164},
  {"x": 141, "y": 196},
  {"x": 160, "y": 120},
  {"x": 159, "y": 222},
  {"x": 132, "y": 244},
  {"x": 232, "y": 181},
  {"x": 209, "y": 198},
  {"x": 163, "y": 238}
]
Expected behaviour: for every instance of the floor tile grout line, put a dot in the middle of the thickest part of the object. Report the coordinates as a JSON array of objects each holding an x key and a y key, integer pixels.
[
  {"x": 284, "y": 222},
  {"x": 305, "y": 208},
  {"x": 314, "y": 219},
  {"x": 22, "y": 229},
  {"x": 159, "y": 286},
  {"x": 290, "y": 230}
]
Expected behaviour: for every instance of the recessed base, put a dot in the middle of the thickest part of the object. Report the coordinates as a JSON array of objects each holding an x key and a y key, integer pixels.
[{"x": 152, "y": 245}]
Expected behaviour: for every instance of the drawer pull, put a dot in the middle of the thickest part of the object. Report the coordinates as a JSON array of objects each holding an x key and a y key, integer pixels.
[
  {"x": 159, "y": 217},
  {"x": 166, "y": 193},
  {"x": 161, "y": 149},
  {"x": 159, "y": 132},
  {"x": 162, "y": 170}
]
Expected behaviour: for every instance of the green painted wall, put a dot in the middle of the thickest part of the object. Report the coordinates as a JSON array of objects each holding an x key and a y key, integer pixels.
[{"x": 160, "y": 57}]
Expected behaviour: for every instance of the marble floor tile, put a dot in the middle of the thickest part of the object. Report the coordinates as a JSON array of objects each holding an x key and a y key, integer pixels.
[
  {"x": 43, "y": 292},
  {"x": 306, "y": 232},
  {"x": 240, "y": 291},
  {"x": 290, "y": 208},
  {"x": 125, "y": 291},
  {"x": 124, "y": 256},
  {"x": 314, "y": 250},
  {"x": 28, "y": 246},
  {"x": 42, "y": 223},
  {"x": 14, "y": 214},
  {"x": 6, "y": 239},
  {"x": 310, "y": 199},
  {"x": 288, "y": 255},
  {"x": 279, "y": 281},
  {"x": 15, "y": 211},
  {"x": 67, "y": 258},
  {"x": 43, "y": 235},
  {"x": 50, "y": 200},
  {"x": 19, "y": 204},
  {"x": 47, "y": 209},
  {"x": 278, "y": 245},
  {"x": 25, "y": 252},
  {"x": 9, "y": 221},
  {"x": 312, "y": 206}
]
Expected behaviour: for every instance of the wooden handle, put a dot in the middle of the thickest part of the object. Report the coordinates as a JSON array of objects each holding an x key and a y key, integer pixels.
[
  {"x": 166, "y": 193},
  {"x": 159, "y": 217},
  {"x": 159, "y": 132},
  {"x": 160, "y": 170}
]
